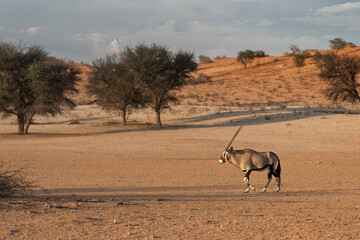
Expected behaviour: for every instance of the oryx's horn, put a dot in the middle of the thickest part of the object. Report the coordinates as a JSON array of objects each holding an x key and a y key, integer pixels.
[{"x": 233, "y": 138}]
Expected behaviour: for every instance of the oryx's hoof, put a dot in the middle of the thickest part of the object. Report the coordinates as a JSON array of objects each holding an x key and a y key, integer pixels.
[
  {"x": 247, "y": 190},
  {"x": 264, "y": 190},
  {"x": 278, "y": 190}
]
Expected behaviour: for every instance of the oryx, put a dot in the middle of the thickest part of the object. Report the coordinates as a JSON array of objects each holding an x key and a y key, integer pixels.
[{"x": 249, "y": 160}]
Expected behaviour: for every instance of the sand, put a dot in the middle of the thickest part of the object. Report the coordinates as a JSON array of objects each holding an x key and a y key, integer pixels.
[{"x": 100, "y": 180}]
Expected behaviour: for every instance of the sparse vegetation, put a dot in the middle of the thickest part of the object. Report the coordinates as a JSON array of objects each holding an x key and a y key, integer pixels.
[
  {"x": 204, "y": 59},
  {"x": 13, "y": 182},
  {"x": 294, "y": 50},
  {"x": 220, "y": 57},
  {"x": 317, "y": 59},
  {"x": 298, "y": 56},
  {"x": 299, "y": 60},
  {"x": 259, "y": 53},
  {"x": 201, "y": 78}
]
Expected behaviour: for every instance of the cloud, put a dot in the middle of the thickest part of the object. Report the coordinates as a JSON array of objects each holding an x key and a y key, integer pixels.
[
  {"x": 100, "y": 43},
  {"x": 340, "y": 8},
  {"x": 227, "y": 39},
  {"x": 33, "y": 30},
  {"x": 264, "y": 22}
]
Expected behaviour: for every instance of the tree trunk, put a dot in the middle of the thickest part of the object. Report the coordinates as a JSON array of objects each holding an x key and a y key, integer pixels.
[
  {"x": 123, "y": 117},
  {"x": 28, "y": 122},
  {"x": 21, "y": 123},
  {"x": 158, "y": 120}
]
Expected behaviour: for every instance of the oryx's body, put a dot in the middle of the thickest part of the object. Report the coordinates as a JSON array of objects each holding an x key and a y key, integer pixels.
[{"x": 249, "y": 160}]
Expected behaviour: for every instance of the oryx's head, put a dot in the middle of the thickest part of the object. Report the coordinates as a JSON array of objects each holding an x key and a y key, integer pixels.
[{"x": 225, "y": 156}]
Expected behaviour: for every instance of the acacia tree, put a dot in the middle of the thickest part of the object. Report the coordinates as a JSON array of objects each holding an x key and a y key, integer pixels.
[
  {"x": 341, "y": 73},
  {"x": 337, "y": 44},
  {"x": 245, "y": 57},
  {"x": 113, "y": 84},
  {"x": 159, "y": 71},
  {"x": 32, "y": 83}
]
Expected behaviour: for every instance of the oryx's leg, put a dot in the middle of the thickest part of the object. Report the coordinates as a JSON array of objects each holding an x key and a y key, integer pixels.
[
  {"x": 277, "y": 175},
  {"x": 246, "y": 179},
  {"x": 270, "y": 172}
]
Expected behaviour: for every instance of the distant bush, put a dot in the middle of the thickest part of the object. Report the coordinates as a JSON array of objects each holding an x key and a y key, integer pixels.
[
  {"x": 287, "y": 54},
  {"x": 245, "y": 57},
  {"x": 306, "y": 53},
  {"x": 259, "y": 53},
  {"x": 220, "y": 57},
  {"x": 351, "y": 45},
  {"x": 317, "y": 59},
  {"x": 337, "y": 44},
  {"x": 204, "y": 59},
  {"x": 299, "y": 60},
  {"x": 202, "y": 78},
  {"x": 294, "y": 49}
]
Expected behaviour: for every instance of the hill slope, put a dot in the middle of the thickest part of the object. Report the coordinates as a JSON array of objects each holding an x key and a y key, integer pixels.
[
  {"x": 273, "y": 79},
  {"x": 268, "y": 80}
]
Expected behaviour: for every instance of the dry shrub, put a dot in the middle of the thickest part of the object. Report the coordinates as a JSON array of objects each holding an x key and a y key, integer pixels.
[
  {"x": 287, "y": 54},
  {"x": 13, "y": 182},
  {"x": 74, "y": 121},
  {"x": 205, "y": 59},
  {"x": 192, "y": 110},
  {"x": 259, "y": 53},
  {"x": 202, "y": 78},
  {"x": 220, "y": 57}
]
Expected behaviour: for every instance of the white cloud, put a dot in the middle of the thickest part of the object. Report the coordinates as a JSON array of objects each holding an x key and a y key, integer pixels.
[
  {"x": 340, "y": 8},
  {"x": 33, "y": 30}
]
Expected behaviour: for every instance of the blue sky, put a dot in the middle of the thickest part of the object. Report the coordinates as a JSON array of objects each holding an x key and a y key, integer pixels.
[{"x": 83, "y": 30}]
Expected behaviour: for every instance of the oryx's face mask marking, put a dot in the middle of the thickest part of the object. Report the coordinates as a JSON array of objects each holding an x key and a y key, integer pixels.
[{"x": 223, "y": 157}]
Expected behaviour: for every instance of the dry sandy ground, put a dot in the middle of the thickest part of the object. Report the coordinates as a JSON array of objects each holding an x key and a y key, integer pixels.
[{"x": 100, "y": 180}]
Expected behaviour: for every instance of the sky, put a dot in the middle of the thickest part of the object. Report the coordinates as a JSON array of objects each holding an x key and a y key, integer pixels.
[{"x": 83, "y": 30}]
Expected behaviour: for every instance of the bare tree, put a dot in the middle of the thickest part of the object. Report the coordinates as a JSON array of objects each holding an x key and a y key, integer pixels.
[{"x": 341, "y": 73}]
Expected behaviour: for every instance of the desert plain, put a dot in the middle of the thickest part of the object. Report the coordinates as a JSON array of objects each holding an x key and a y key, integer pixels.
[{"x": 97, "y": 179}]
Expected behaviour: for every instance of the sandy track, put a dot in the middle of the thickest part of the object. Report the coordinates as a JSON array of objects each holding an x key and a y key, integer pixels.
[{"x": 166, "y": 183}]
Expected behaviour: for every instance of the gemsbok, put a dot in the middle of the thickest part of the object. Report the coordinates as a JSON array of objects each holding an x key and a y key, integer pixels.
[{"x": 249, "y": 160}]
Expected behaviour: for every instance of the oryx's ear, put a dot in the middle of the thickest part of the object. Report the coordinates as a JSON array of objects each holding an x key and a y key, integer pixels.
[{"x": 231, "y": 148}]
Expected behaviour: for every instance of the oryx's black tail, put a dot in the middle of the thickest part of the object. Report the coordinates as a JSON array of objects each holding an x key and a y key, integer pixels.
[
  {"x": 277, "y": 172},
  {"x": 278, "y": 169}
]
